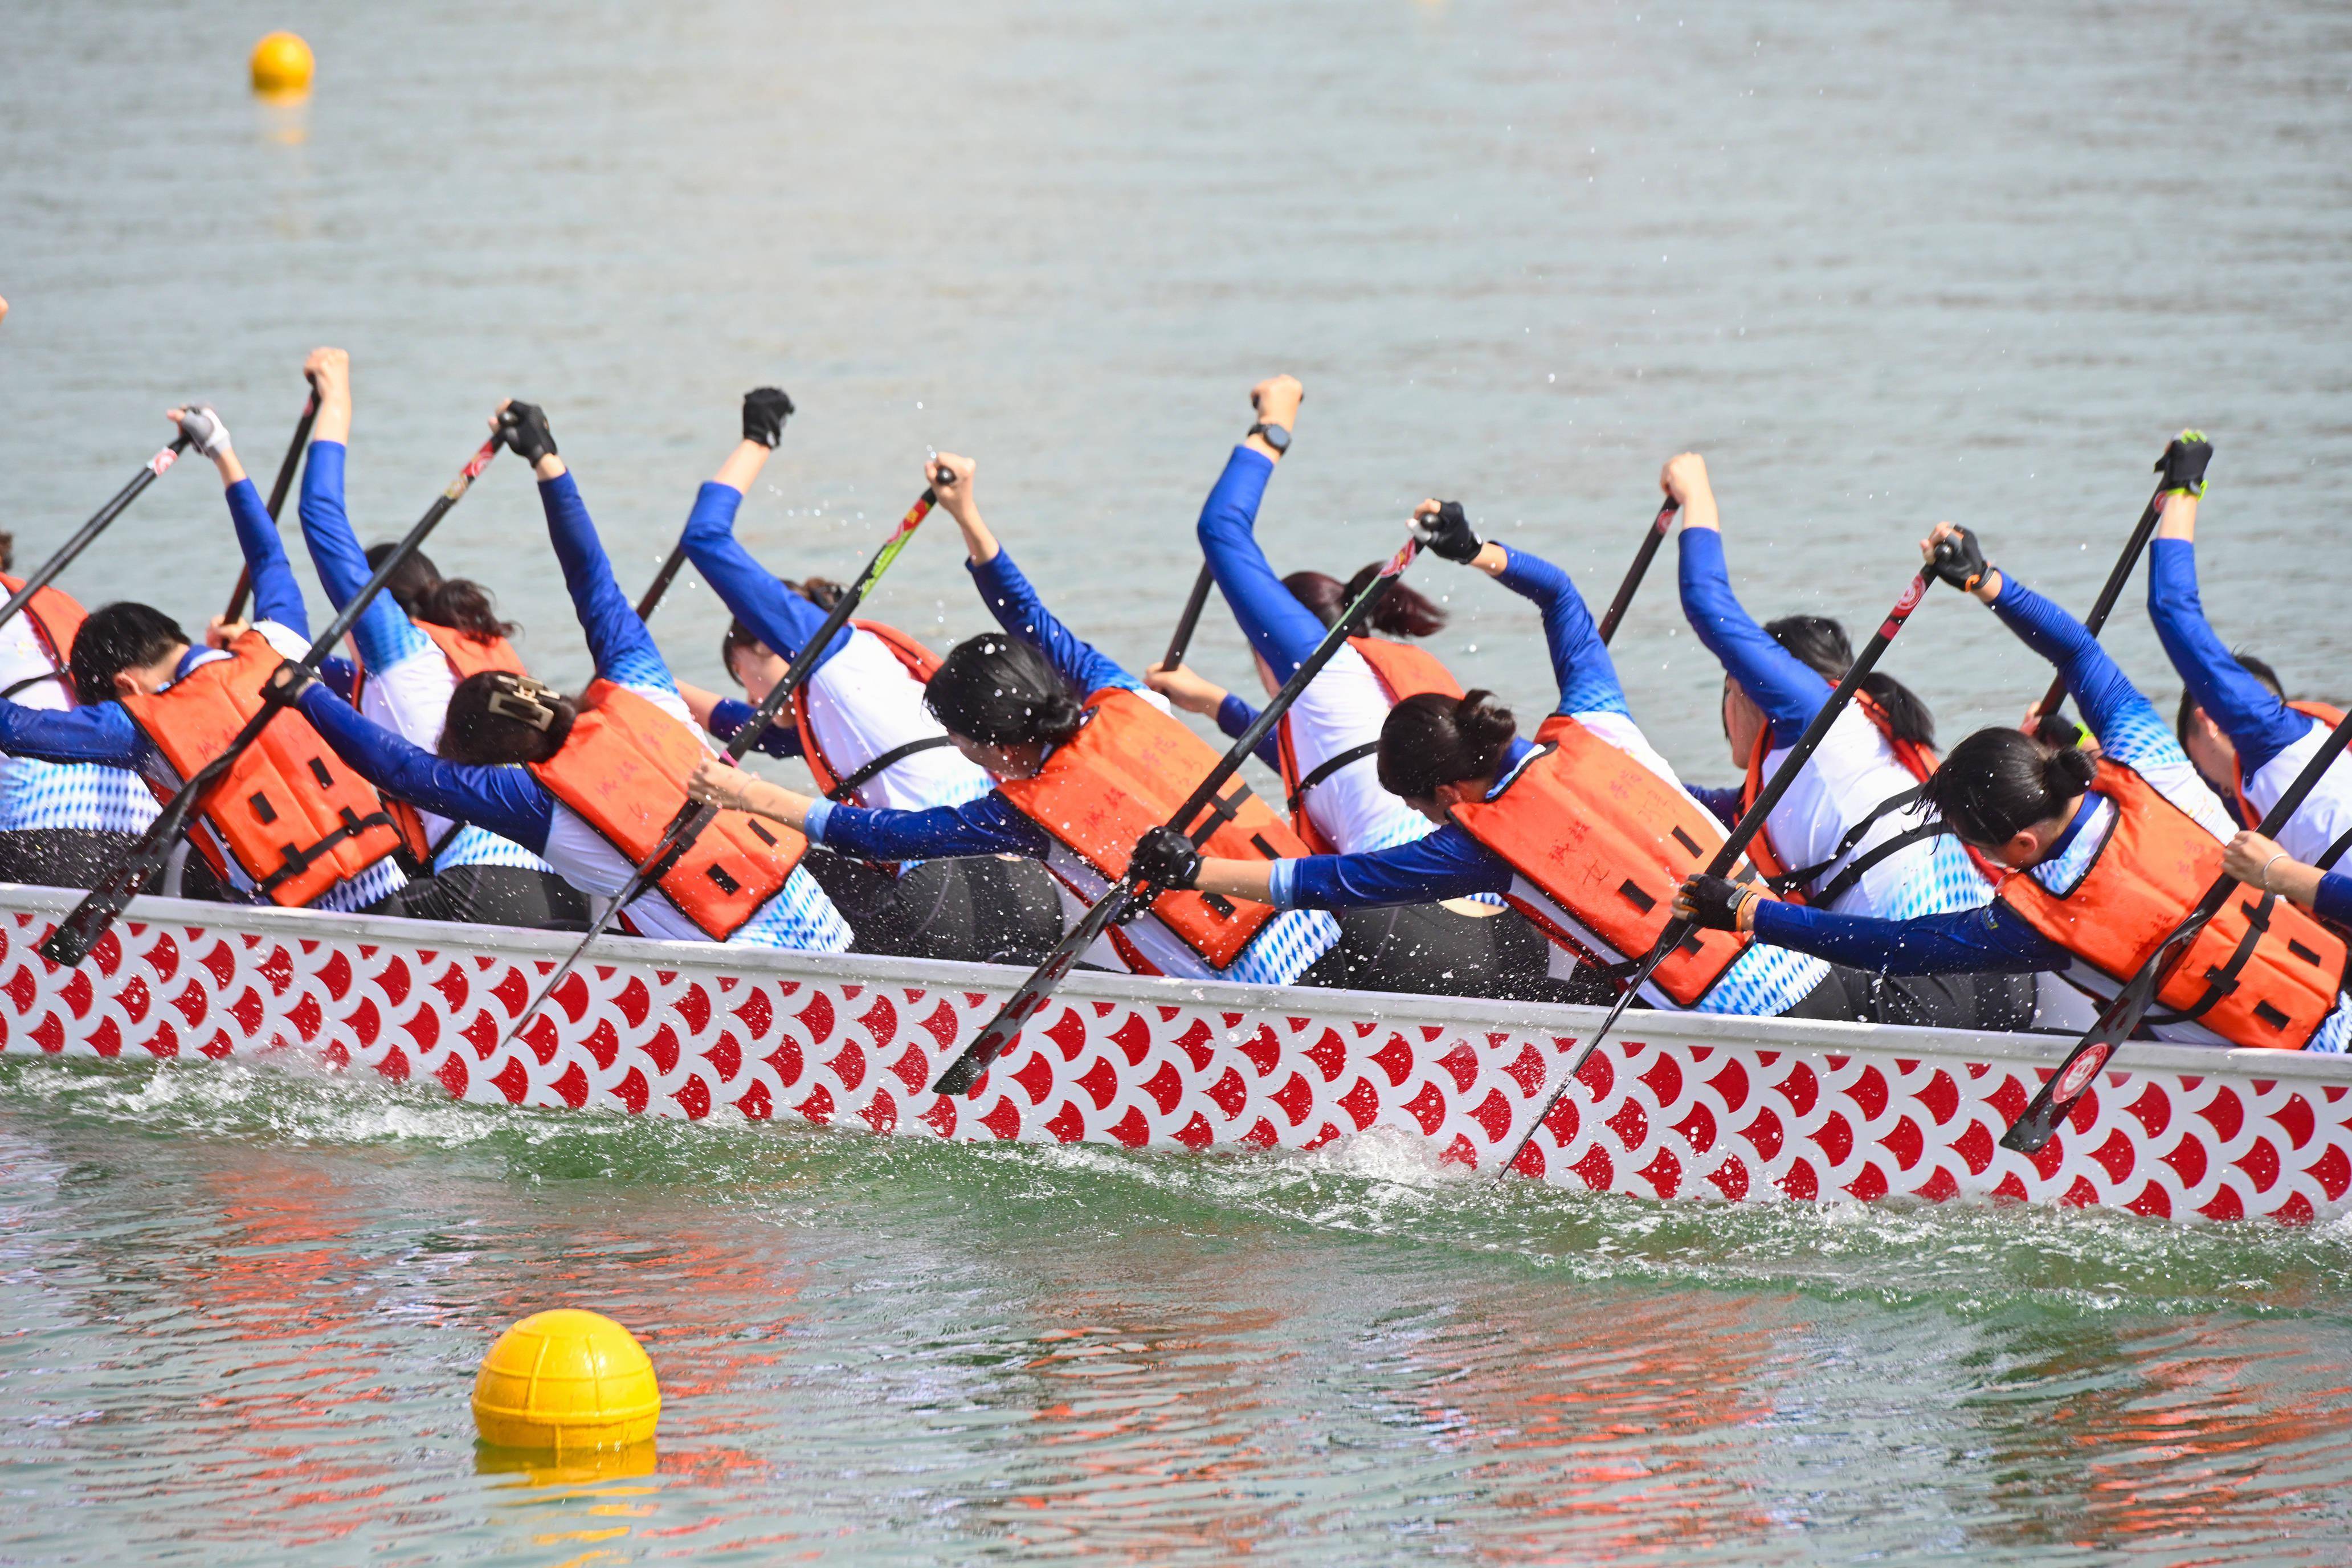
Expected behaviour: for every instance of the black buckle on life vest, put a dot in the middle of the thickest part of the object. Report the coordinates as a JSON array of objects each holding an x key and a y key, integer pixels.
[
  {"x": 298, "y": 860},
  {"x": 1636, "y": 895},
  {"x": 719, "y": 874},
  {"x": 1221, "y": 809},
  {"x": 2221, "y": 979}
]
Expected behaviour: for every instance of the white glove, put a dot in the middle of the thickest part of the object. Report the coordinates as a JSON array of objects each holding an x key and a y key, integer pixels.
[{"x": 204, "y": 429}]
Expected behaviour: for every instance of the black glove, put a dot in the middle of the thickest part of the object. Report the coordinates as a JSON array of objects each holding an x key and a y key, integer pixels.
[
  {"x": 1166, "y": 859},
  {"x": 765, "y": 409},
  {"x": 2056, "y": 730},
  {"x": 1713, "y": 903},
  {"x": 1448, "y": 533},
  {"x": 523, "y": 428},
  {"x": 2183, "y": 463},
  {"x": 1960, "y": 561}
]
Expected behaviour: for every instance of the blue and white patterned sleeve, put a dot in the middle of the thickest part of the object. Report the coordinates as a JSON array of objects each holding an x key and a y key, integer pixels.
[{"x": 1587, "y": 680}]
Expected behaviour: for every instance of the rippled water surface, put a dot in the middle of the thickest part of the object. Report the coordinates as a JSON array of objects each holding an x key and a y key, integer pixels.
[{"x": 1882, "y": 262}]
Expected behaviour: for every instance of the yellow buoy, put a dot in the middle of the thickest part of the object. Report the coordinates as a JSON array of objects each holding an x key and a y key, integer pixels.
[
  {"x": 566, "y": 1380},
  {"x": 281, "y": 66}
]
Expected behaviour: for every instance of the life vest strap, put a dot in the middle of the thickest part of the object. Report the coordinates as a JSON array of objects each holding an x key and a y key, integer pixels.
[
  {"x": 841, "y": 792},
  {"x": 298, "y": 860},
  {"x": 1225, "y": 808},
  {"x": 8, "y": 693},
  {"x": 1327, "y": 767},
  {"x": 2327, "y": 861},
  {"x": 1803, "y": 879},
  {"x": 2221, "y": 979}
]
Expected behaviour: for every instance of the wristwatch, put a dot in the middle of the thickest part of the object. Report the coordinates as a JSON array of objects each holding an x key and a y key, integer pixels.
[{"x": 1274, "y": 435}]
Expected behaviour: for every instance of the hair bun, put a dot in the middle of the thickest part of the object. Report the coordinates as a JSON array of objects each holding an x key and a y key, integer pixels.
[
  {"x": 1486, "y": 727},
  {"x": 2069, "y": 771}
]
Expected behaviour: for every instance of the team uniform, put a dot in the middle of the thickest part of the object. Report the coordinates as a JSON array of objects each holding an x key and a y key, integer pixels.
[
  {"x": 1125, "y": 770},
  {"x": 1588, "y": 832},
  {"x": 2274, "y": 738},
  {"x": 288, "y": 824},
  {"x": 1854, "y": 832},
  {"x": 407, "y": 671},
  {"x": 599, "y": 806},
  {"x": 2143, "y": 847},
  {"x": 860, "y": 725},
  {"x": 1326, "y": 749}
]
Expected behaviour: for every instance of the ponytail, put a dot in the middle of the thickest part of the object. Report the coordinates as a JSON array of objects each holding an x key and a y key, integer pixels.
[
  {"x": 2000, "y": 781},
  {"x": 1402, "y": 612},
  {"x": 1431, "y": 739},
  {"x": 1002, "y": 691},
  {"x": 1821, "y": 644}
]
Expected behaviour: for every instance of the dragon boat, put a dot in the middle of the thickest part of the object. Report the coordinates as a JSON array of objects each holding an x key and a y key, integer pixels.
[{"x": 1680, "y": 1108}]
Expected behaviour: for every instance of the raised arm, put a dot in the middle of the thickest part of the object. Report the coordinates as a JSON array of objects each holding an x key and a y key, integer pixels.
[
  {"x": 385, "y": 634},
  {"x": 276, "y": 596},
  {"x": 2257, "y": 720},
  {"x": 1008, "y": 594},
  {"x": 1789, "y": 691},
  {"x": 778, "y": 616},
  {"x": 506, "y": 800},
  {"x": 623, "y": 649},
  {"x": 1282, "y": 630}
]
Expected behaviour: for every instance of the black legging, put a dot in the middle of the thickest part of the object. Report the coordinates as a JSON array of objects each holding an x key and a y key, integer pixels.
[
  {"x": 1429, "y": 950},
  {"x": 985, "y": 908},
  {"x": 493, "y": 896},
  {"x": 79, "y": 857},
  {"x": 1997, "y": 1002}
]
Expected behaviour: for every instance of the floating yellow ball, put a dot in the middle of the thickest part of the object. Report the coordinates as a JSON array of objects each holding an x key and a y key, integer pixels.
[
  {"x": 566, "y": 1380},
  {"x": 281, "y": 65}
]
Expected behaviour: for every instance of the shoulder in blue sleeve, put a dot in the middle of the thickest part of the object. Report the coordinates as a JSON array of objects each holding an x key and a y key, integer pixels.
[
  {"x": 776, "y": 616},
  {"x": 1789, "y": 690},
  {"x": 1014, "y": 603},
  {"x": 1587, "y": 680}
]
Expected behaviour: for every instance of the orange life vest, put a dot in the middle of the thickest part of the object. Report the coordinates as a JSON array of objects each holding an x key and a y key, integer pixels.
[
  {"x": 623, "y": 770},
  {"x": 1402, "y": 670},
  {"x": 467, "y": 655},
  {"x": 1794, "y": 884},
  {"x": 55, "y": 619},
  {"x": 920, "y": 661},
  {"x": 2262, "y": 973},
  {"x": 294, "y": 818},
  {"x": 1604, "y": 844},
  {"x": 2248, "y": 813},
  {"x": 1125, "y": 772}
]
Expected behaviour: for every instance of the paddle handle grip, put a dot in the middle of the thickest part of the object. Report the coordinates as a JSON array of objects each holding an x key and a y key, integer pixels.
[{"x": 149, "y": 472}]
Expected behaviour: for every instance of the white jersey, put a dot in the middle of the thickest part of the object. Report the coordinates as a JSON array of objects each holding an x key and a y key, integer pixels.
[
  {"x": 1853, "y": 772},
  {"x": 863, "y": 702},
  {"x": 799, "y": 918},
  {"x": 2324, "y": 820},
  {"x": 85, "y": 797},
  {"x": 378, "y": 883},
  {"x": 1341, "y": 709}
]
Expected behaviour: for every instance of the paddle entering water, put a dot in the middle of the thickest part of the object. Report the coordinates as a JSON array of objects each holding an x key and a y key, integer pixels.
[
  {"x": 1659, "y": 526},
  {"x": 964, "y": 1073},
  {"x": 97, "y": 525},
  {"x": 2040, "y": 1120},
  {"x": 694, "y": 817},
  {"x": 99, "y": 909},
  {"x": 1751, "y": 822},
  {"x": 277, "y": 503}
]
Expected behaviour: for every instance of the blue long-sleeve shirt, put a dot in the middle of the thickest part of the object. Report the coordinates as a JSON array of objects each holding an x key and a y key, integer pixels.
[
  {"x": 1282, "y": 630},
  {"x": 623, "y": 650},
  {"x": 757, "y": 597},
  {"x": 2257, "y": 720},
  {"x": 2335, "y": 900},
  {"x": 1234, "y": 716},
  {"x": 384, "y": 632},
  {"x": 780, "y": 739},
  {"x": 1014, "y": 603},
  {"x": 1789, "y": 690}
]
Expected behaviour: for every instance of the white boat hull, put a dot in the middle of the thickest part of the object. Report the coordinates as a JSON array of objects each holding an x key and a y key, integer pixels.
[{"x": 1679, "y": 1106}]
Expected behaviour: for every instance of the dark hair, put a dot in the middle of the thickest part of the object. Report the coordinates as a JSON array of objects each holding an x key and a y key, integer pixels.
[
  {"x": 7, "y": 550},
  {"x": 2259, "y": 669},
  {"x": 491, "y": 719},
  {"x": 459, "y": 603},
  {"x": 1431, "y": 739},
  {"x": 2000, "y": 781},
  {"x": 1402, "y": 612},
  {"x": 822, "y": 592},
  {"x": 1821, "y": 644},
  {"x": 117, "y": 637},
  {"x": 1002, "y": 691},
  {"x": 739, "y": 638}
]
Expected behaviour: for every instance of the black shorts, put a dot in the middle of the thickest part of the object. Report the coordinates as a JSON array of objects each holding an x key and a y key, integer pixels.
[
  {"x": 1429, "y": 950},
  {"x": 1998, "y": 1003},
  {"x": 493, "y": 896},
  {"x": 985, "y": 908}
]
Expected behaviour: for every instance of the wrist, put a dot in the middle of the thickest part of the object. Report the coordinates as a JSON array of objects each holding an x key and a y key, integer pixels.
[
  {"x": 550, "y": 466},
  {"x": 1492, "y": 559},
  {"x": 1989, "y": 589}
]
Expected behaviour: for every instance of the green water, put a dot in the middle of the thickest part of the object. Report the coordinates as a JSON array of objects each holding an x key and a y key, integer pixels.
[
  {"x": 1882, "y": 262},
  {"x": 243, "y": 1306}
]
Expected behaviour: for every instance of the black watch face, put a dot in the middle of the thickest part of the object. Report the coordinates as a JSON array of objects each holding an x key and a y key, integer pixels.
[{"x": 1275, "y": 436}]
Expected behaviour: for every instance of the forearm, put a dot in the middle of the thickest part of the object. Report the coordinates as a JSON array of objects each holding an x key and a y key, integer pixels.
[
  {"x": 1789, "y": 690},
  {"x": 1587, "y": 680},
  {"x": 1237, "y": 879},
  {"x": 776, "y": 616},
  {"x": 100, "y": 734},
  {"x": 774, "y": 802},
  {"x": 505, "y": 800},
  {"x": 618, "y": 639},
  {"x": 383, "y": 634},
  {"x": 2258, "y": 721},
  {"x": 276, "y": 596},
  {"x": 1972, "y": 942},
  {"x": 1010, "y": 597},
  {"x": 1281, "y": 630}
]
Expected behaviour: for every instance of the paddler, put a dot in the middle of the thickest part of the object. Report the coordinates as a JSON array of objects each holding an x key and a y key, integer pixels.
[
  {"x": 1855, "y": 833},
  {"x": 287, "y": 822},
  {"x": 1587, "y": 831},
  {"x": 2108, "y": 856},
  {"x": 862, "y": 727},
  {"x": 2264, "y": 739},
  {"x": 1324, "y": 747},
  {"x": 1086, "y": 759},
  {"x": 592, "y": 782},
  {"x": 417, "y": 641}
]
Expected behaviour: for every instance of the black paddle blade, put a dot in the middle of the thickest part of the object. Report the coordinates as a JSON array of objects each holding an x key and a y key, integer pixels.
[
  {"x": 93, "y": 917},
  {"x": 2042, "y": 1120},
  {"x": 1003, "y": 1030}
]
